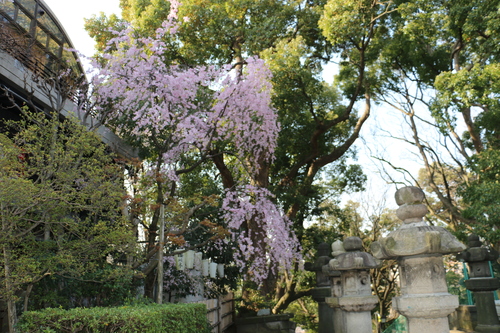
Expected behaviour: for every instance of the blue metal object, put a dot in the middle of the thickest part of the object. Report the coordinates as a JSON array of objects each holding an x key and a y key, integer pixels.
[{"x": 470, "y": 301}]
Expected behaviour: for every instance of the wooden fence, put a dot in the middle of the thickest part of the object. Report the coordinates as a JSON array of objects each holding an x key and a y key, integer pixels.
[{"x": 220, "y": 313}]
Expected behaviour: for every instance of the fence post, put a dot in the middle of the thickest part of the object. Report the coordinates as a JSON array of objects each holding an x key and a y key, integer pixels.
[
  {"x": 220, "y": 316},
  {"x": 227, "y": 312},
  {"x": 218, "y": 312}
]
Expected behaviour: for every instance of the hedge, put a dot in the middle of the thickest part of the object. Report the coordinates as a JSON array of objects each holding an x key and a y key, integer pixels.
[{"x": 153, "y": 318}]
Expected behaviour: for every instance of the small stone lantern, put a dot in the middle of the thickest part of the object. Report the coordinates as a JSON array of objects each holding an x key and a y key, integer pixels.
[
  {"x": 356, "y": 299},
  {"x": 322, "y": 290},
  {"x": 336, "y": 289},
  {"x": 419, "y": 249},
  {"x": 482, "y": 284}
]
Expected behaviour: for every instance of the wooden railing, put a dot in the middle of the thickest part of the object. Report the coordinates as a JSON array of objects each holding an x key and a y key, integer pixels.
[{"x": 220, "y": 313}]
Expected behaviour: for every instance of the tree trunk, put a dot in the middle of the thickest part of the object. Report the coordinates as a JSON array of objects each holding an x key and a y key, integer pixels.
[
  {"x": 150, "y": 280},
  {"x": 11, "y": 304},
  {"x": 27, "y": 296},
  {"x": 149, "y": 284}
]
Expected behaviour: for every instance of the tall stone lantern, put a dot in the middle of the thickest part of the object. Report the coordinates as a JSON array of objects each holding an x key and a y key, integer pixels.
[
  {"x": 419, "y": 249},
  {"x": 356, "y": 300}
]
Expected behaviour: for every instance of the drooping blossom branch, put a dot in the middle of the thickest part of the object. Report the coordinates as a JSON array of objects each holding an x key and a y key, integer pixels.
[
  {"x": 259, "y": 255},
  {"x": 187, "y": 108},
  {"x": 172, "y": 111}
]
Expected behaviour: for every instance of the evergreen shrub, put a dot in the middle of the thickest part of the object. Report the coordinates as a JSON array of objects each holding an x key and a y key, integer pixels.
[{"x": 152, "y": 318}]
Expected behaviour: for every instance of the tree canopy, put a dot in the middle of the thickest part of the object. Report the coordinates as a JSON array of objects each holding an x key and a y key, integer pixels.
[
  {"x": 434, "y": 62},
  {"x": 60, "y": 205},
  {"x": 440, "y": 67},
  {"x": 319, "y": 122}
]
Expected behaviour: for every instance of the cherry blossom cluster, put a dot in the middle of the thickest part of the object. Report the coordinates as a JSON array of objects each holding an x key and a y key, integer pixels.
[
  {"x": 179, "y": 110},
  {"x": 176, "y": 281},
  {"x": 270, "y": 244},
  {"x": 190, "y": 109}
]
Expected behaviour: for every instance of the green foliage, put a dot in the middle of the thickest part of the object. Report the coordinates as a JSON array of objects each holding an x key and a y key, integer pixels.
[
  {"x": 318, "y": 127},
  {"x": 456, "y": 286},
  {"x": 481, "y": 195},
  {"x": 305, "y": 313},
  {"x": 210, "y": 31},
  {"x": 108, "y": 286},
  {"x": 60, "y": 207},
  {"x": 98, "y": 28},
  {"x": 153, "y": 318},
  {"x": 448, "y": 179},
  {"x": 348, "y": 18},
  {"x": 438, "y": 67}
]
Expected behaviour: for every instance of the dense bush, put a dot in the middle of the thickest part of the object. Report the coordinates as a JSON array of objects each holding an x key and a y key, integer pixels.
[
  {"x": 153, "y": 318},
  {"x": 97, "y": 288}
]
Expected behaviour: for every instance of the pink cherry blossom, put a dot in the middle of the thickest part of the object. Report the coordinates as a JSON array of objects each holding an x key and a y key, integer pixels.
[
  {"x": 142, "y": 95},
  {"x": 276, "y": 249}
]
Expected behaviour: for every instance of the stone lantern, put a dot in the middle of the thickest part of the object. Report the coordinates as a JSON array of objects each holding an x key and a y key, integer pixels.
[
  {"x": 322, "y": 290},
  {"x": 419, "y": 249},
  {"x": 336, "y": 289},
  {"x": 482, "y": 284},
  {"x": 356, "y": 299}
]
